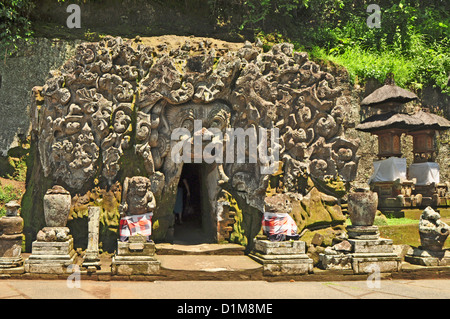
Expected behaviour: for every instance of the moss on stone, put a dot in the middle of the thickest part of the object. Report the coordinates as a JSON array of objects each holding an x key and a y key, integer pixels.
[{"x": 238, "y": 234}]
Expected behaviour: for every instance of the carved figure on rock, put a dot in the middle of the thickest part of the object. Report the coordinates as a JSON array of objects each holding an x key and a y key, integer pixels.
[{"x": 433, "y": 232}]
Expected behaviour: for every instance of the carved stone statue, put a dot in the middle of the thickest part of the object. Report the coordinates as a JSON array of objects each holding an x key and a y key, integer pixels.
[
  {"x": 137, "y": 198},
  {"x": 137, "y": 208}
]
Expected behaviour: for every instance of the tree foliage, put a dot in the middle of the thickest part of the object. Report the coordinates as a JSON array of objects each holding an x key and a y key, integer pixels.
[
  {"x": 14, "y": 22},
  {"x": 413, "y": 40}
]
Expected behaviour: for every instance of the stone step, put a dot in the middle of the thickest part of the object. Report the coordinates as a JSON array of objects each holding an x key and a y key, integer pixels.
[
  {"x": 211, "y": 267},
  {"x": 200, "y": 249}
]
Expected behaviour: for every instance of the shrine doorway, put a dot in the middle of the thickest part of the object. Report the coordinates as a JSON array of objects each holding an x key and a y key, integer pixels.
[{"x": 197, "y": 224}]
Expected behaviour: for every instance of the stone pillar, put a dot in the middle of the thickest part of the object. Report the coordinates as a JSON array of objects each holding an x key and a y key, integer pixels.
[
  {"x": 91, "y": 259},
  {"x": 11, "y": 227},
  {"x": 52, "y": 251}
]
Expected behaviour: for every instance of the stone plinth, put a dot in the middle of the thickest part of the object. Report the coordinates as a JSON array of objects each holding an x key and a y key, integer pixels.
[
  {"x": 282, "y": 258},
  {"x": 11, "y": 237},
  {"x": 51, "y": 257},
  {"x": 135, "y": 257},
  {"x": 363, "y": 255},
  {"x": 11, "y": 260},
  {"x": 424, "y": 257}
]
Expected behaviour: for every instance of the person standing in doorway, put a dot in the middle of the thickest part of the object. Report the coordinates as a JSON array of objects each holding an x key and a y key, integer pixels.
[{"x": 183, "y": 188}]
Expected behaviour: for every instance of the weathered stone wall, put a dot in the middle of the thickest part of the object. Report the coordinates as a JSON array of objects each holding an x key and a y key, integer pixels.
[{"x": 19, "y": 73}]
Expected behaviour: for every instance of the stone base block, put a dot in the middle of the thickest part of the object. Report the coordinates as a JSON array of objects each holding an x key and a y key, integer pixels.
[
  {"x": 365, "y": 256},
  {"x": 425, "y": 257},
  {"x": 91, "y": 261},
  {"x": 278, "y": 265},
  {"x": 127, "y": 265},
  {"x": 135, "y": 257},
  {"x": 369, "y": 263},
  {"x": 282, "y": 258},
  {"x": 339, "y": 261},
  {"x": 363, "y": 232},
  {"x": 50, "y": 257},
  {"x": 267, "y": 247},
  {"x": 50, "y": 264},
  {"x": 364, "y": 246},
  {"x": 136, "y": 249},
  {"x": 11, "y": 265}
]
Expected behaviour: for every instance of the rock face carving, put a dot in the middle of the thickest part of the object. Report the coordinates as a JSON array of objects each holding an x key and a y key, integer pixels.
[{"x": 114, "y": 96}]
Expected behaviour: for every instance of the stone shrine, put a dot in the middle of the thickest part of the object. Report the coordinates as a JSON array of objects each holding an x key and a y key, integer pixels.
[
  {"x": 11, "y": 237},
  {"x": 52, "y": 251}
]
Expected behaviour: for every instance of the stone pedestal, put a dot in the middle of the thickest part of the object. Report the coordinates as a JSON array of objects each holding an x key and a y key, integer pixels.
[
  {"x": 135, "y": 257},
  {"x": 51, "y": 257},
  {"x": 282, "y": 258},
  {"x": 363, "y": 254},
  {"x": 91, "y": 260},
  {"x": 11, "y": 237}
]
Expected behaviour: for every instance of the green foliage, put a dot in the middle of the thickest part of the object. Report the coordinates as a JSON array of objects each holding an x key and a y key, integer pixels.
[
  {"x": 412, "y": 42},
  {"x": 15, "y": 24}
]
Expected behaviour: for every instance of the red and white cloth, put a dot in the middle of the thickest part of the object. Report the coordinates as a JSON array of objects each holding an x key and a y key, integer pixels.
[
  {"x": 136, "y": 224},
  {"x": 278, "y": 224}
]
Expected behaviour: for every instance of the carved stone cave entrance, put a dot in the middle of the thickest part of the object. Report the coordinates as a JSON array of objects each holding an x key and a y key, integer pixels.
[{"x": 199, "y": 220}]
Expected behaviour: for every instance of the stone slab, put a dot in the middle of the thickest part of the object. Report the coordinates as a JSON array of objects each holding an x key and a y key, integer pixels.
[
  {"x": 10, "y": 262},
  {"x": 371, "y": 245},
  {"x": 135, "y": 249},
  {"x": 52, "y": 248},
  {"x": 363, "y": 232},
  {"x": 427, "y": 261},
  {"x": 338, "y": 261},
  {"x": 369, "y": 263},
  {"x": 268, "y": 247},
  {"x": 134, "y": 266},
  {"x": 274, "y": 266}
]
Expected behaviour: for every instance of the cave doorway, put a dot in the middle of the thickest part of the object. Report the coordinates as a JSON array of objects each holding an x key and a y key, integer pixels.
[{"x": 197, "y": 224}]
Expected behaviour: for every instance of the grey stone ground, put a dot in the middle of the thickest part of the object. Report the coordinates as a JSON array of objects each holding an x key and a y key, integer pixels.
[{"x": 243, "y": 290}]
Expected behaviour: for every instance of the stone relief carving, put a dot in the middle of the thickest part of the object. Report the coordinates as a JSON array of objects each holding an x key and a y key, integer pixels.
[{"x": 115, "y": 95}]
